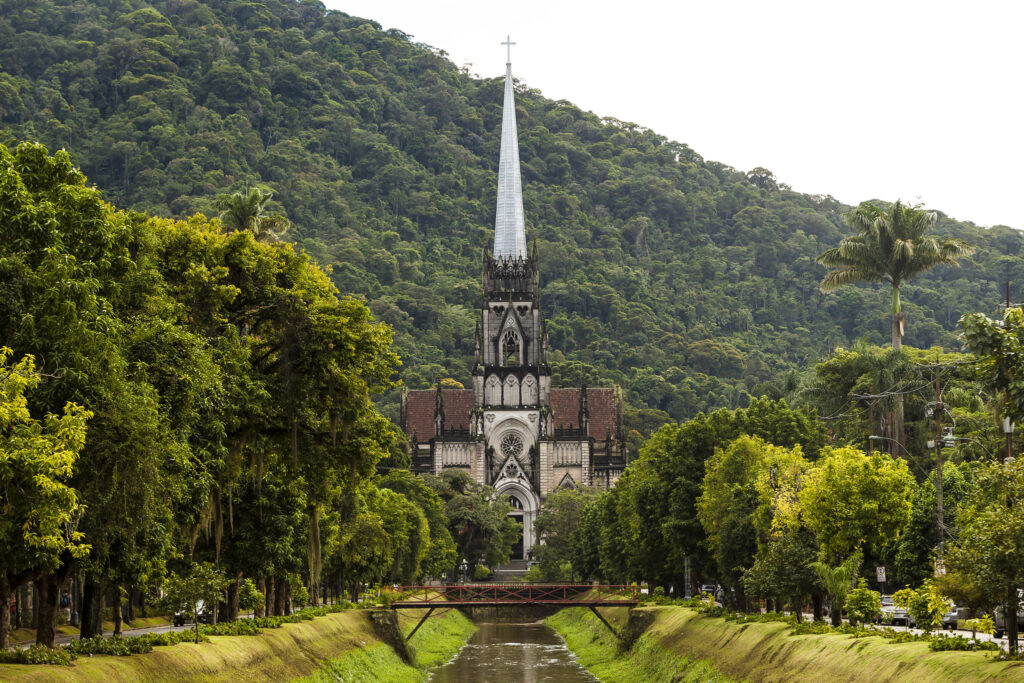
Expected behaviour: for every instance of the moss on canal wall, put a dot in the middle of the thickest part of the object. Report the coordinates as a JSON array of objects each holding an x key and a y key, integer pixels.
[
  {"x": 437, "y": 641},
  {"x": 598, "y": 650},
  {"x": 345, "y": 641},
  {"x": 680, "y": 641}
]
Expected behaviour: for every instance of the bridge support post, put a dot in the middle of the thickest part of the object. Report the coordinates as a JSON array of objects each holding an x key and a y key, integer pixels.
[
  {"x": 603, "y": 620},
  {"x": 413, "y": 632}
]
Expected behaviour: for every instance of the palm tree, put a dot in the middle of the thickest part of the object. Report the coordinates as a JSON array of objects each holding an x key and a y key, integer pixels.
[
  {"x": 892, "y": 245},
  {"x": 247, "y": 211},
  {"x": 837, "y": 582}
]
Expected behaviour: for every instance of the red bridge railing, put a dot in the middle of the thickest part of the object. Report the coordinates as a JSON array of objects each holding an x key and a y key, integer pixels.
[{"x": 512, "y": 594}]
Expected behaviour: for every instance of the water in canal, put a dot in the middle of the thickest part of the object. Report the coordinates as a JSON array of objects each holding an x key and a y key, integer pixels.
[{"x": 529, "y": 653}]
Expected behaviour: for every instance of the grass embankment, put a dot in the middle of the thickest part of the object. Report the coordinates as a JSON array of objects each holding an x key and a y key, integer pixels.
[
  {"x": 596, "y": 648},
  {"x": 770, "y": 652},
  {"x": 435, "y": 643},
  {"x": 280, "y": 654}
]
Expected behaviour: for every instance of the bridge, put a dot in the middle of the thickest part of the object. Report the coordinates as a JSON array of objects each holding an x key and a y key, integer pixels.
[{"x": 512, "y": 595}]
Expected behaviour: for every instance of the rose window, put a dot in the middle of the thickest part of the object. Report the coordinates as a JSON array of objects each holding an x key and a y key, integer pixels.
[{"x": 511, "y": 445}]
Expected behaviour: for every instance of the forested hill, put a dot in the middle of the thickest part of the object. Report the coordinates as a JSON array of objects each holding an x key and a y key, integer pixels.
[{"x": 690, "y": 283}]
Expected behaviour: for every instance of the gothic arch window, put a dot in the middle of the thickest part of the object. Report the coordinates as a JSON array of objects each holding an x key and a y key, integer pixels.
[
  {"x": 515, "y": 503},
  {"x": 511, "y": 349},
  {"x": 511, "y": 391},
  {"x": 529, "y": 390},
  {"x": 492, "y": 391}
]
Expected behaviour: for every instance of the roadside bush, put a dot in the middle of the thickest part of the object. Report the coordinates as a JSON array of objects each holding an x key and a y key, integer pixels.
[
  {"x": 863, "y": 604},
  {"x": 241, "y": 627},
  {"x": 114, "y": 645},
  {"x": 945, "y": 643},
  {"x": 37, "y": 654},
  {"x": 809, "y": 628},
  {"x": 171, "y": 638},
  {"x": 481, "y": 573}
]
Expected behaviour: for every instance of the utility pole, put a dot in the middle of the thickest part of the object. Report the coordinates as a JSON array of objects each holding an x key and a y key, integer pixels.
[
  {"x": 871, "y": 427},
  {"x": 938, "y": 461}
]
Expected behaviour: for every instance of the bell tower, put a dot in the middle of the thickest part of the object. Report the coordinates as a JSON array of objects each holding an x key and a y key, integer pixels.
[{"x": 511, "y": 377}]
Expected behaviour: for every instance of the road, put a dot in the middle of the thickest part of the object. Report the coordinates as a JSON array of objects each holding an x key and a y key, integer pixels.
[{"x": 128, "y": 632}]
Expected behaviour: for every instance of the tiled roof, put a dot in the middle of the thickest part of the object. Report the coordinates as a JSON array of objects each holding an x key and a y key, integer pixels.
[
  {"x": 565, "y": 404},
  {"x": 458, "y": 403},
  {"x": 419, "y": 411}
]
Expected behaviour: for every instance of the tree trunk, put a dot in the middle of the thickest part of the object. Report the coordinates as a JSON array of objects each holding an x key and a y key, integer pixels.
[
  {"x": 279, "y": 584},
  {"x": 261, "y": 585},
  {"x": 48, "y": 586},
  {"x": 897, "y": 345},
  {"x": 797, "y": 607},
  {"x": 231, "y": 603},
  {"x": 115, "y": 611},
  {"x": 5, "y": 609},
  {"x": 836, "y": 615},
  {"x": 1011, "y": 618},
  {"x": 314, "y": 556},
  {"x": 92, "y": 615},
  {"x": 131, "y": 606},
  {"x": 816, "y": 606}
]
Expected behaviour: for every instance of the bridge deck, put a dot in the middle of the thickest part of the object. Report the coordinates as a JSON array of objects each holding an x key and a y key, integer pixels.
[{"x": 511, "y": 594}]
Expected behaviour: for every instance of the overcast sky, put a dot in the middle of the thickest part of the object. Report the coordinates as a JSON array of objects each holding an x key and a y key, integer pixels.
[{"x": 920, "y": 101}]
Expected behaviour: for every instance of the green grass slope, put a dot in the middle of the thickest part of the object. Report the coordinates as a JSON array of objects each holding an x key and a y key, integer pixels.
[
  {"x": 767, "y": 652},
  {"x": 340, "y": 646}
]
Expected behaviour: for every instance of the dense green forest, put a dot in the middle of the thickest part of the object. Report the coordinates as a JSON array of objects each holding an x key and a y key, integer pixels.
[{"x": 690, "y": 283}]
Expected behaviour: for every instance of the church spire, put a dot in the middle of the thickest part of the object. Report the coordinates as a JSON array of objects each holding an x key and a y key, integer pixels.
[{"x": 509, "y": 223}]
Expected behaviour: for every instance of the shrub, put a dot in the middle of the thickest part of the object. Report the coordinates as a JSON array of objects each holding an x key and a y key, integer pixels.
[
  {"x": 37, "y": 654},
  {"x": 481, "y": 573},
  {"x": 944, "y": 643},
  {"x": 863, "y": 604},
  {"x": 300, "y": 596},
  {"x": 241, "y": 627},
  {"x": 114, "y": 645}
]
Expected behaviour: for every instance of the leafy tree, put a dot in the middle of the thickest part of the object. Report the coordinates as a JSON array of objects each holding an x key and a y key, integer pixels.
[
  {"x": 477, "y": 519},
  {"x": 926, "y": 605},
  {"x": 440, "y": 555},
  {"x": 989, "y": 551},
  {"x": 556, "y": 526},
  {"x": 850, "y": 499},
  {"x": 727, "y": 504},
  {"x": 39, "y": 511},
  {"x": 250, "y": 597},
  {"x": 201, "y": 588}
]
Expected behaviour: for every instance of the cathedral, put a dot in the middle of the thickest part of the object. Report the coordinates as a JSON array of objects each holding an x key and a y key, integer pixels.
[{"x": 513, "y": 431}]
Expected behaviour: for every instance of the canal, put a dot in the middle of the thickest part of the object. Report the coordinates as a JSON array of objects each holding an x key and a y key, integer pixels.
[{"x": 513, "y": 652}]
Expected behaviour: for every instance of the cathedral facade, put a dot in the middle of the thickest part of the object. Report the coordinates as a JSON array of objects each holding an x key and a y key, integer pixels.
[{"x": 513, "y": 431}]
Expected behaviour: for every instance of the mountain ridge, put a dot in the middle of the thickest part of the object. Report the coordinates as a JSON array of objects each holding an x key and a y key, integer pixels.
[{"x": 688, "y": 282}]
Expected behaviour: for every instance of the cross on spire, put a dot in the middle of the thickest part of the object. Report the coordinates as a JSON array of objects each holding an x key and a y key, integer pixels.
[{"x": 508, "y": 45}]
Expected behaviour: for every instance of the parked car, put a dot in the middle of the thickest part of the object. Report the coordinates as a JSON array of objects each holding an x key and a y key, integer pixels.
[
  {"x": 999, "y": 620},
  {"x": 953, "y": 616},
  {"x": 204, "y": 616},
  {"x": 894, "y": 614}
]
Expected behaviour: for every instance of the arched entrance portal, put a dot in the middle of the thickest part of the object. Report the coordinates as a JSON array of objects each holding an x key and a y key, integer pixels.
[
  {"x": 515, "y": 487},
  {"x": 518, "y": 550}
]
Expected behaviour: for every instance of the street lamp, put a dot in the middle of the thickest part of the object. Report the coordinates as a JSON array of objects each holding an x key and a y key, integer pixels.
[{"x": 1008, "y": 430}]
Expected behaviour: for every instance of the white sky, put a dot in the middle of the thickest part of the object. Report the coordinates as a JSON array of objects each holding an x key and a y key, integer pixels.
[{"x": 920, "y": 101}]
